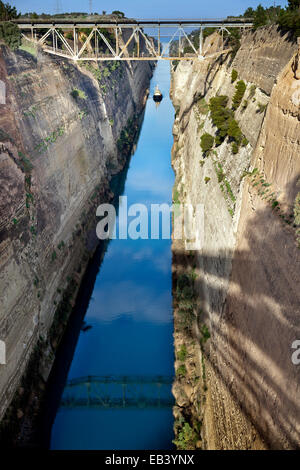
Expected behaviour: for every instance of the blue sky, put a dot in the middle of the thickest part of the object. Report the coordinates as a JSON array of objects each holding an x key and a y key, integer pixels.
[{"x": 150, "y": 9}]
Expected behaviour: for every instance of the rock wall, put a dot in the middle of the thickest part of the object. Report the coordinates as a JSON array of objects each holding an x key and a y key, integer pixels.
[
  {"x": 64, "y": 131},
  {"x": 240, "y": 389}
]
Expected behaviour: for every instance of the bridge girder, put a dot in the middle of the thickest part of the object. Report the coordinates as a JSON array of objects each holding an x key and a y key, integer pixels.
[{"x": 121, "y": 41}]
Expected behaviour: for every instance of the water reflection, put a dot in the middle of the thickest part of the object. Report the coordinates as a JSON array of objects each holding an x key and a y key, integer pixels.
[{"x": 128, "y": 329}]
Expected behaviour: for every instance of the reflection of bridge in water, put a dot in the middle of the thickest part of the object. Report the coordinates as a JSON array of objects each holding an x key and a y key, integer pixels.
[{"x": 118, "y": 392}]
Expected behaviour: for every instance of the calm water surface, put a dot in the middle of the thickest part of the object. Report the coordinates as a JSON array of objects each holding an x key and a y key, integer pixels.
[{"x": 130, "y": 311}]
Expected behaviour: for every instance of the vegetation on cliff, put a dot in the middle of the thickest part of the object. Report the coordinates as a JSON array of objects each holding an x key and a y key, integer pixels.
[
  {"x": 9, "y": 32},
  {"x": 287, "y": 18},
  {"x": 190, "y": 363},
  {"x": 7, "y": 12},
  {"x": 223, "y": 118},
  {"x": 239, "y": 94},
  {"x": 207, "y": 142}
]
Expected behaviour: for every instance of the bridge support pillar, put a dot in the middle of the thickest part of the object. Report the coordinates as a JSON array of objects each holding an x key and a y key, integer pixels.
[
  {"x": 158, "y": 40},
  {"x": 201, "y": 42}
]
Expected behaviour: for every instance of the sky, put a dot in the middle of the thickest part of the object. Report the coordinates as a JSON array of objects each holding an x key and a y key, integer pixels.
[{"x": 195, "y": 9}]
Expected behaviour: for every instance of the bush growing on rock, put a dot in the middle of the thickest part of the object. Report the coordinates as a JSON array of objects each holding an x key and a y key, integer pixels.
[
  {"x": 187, "y": 438},
  {"x": 239, "y": 93},
  {"x": 181, "y": 371},
  {"x": 234, "y": 148},
  {"x": 76, "y": 93},
  {"x": 234, "y": 131},
  {"x": 223, "y": 119},
  {"x": 182, "y": 353},
  {"x": 220, "y": 116},
  {"x": 207, "y": 142},
  {"x": 261, "y": 108},
  {"x": 234, "y": 75},
  {"x": 10, "y": 34}
]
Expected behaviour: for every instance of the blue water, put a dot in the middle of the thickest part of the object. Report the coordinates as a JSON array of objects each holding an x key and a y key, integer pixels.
[{"x": 130, "y": 311}]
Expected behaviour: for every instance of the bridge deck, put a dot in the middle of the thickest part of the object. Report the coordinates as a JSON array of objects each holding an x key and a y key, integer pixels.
[
  {"x": 123, "y": 39},
  {"x": 125, "y": 23}
]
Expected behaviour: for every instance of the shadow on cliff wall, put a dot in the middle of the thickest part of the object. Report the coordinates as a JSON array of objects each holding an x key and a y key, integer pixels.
[
  {"x": 255, "y": 322},
  {"x": 66, "y": 350}
]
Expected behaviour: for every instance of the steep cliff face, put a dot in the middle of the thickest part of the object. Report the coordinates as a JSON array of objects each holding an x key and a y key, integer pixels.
[
  {"x": 241, "y": 384},
  {"x": 64, "y": 131}
]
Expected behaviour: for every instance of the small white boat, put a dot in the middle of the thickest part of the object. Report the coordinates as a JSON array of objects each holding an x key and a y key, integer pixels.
[{"x": 157, "y": 95}]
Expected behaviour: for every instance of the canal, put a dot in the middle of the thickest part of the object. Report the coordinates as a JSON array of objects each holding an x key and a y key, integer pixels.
[{"x": 126, "y": 338}]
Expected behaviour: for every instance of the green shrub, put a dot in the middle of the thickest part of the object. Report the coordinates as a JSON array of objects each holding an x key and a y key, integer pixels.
[
  {"x": 239, "y": 93},
  {"x": 234, "y": 131},
  {"x": 234, "y": 148},
  {"x": 234, "y": 75},
  {"x": 207, "y": 142},
  {"x": 261, "y": 107},
  {"x": 187, "y": 438},
  {"x": 229, "y": 191},
  {"x": 182, "y": 353},
  {"x": 25, "y": 163},
  {"x": 118, "y": 13},
  {"x": 205, "y": 333},
  {"x": 220, "y": 116},
  {"x": 181, "y": 371},
  {"x": 76, "y": 93},
  {"x": 10, "y": 34},
  {"x": 206, "y": 179},
  {"x": 220, "y": 173},
  {"x": 176, "y": 199}
]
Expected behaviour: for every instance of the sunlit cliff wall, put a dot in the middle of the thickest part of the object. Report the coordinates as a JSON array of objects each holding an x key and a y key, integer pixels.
[{"x": 241, "y": 389}]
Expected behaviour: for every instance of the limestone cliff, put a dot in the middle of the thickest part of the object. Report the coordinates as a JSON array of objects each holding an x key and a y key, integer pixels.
[
  {"x": 237, "y": 387},
  {"x": 64, "y": 131}
]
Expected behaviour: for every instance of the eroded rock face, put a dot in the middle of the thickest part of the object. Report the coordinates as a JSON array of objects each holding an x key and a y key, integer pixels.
[
  {"x": 58, "y": 151},
  {"x": 265, "y": 49},
  {"x": 248, "y": 270}
]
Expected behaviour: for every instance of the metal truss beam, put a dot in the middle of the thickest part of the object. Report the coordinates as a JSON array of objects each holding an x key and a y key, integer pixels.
[{"x": 111, "y": 41}]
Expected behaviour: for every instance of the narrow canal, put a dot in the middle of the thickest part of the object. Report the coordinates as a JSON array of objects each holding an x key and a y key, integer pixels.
[{"x": 126, "y": 344}]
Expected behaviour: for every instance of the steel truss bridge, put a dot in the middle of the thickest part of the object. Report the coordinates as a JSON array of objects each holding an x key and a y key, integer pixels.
[
  {"x": 107, "y": 392},
  {"x": 123, "y": 39}
]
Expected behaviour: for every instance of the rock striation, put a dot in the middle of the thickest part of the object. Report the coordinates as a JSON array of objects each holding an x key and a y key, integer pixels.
[
  {"x": 240, "y": 389},
  {"x": 64, "y": 131}
]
